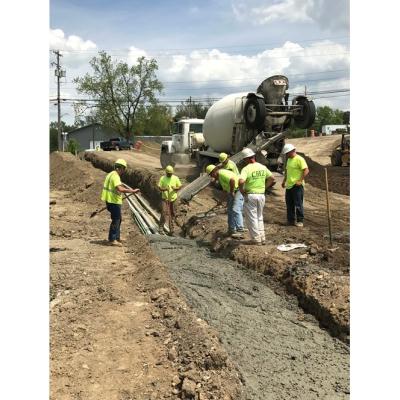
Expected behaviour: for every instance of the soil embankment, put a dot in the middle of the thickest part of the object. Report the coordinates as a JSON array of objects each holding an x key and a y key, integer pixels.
[{"x": 119, "y": 327}]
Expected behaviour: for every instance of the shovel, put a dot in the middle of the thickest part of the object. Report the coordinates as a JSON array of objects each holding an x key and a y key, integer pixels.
[{"x": 94, "y": 213}]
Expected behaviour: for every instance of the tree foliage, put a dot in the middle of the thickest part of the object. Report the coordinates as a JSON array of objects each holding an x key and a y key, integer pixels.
[
  {"x": 154, "y": 120},
  {"x": 53, "y": 128},
  {"x": 119, "y": 91},
  {"x": 327, "y": 116},
  {"x": 73, "y": 146},
  {"x": 191, "y": 109}
]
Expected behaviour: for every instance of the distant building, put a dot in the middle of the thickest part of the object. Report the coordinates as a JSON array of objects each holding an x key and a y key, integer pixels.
[
  {"x": 90, "y": 136},
  {"x": 332, "y": 129}
]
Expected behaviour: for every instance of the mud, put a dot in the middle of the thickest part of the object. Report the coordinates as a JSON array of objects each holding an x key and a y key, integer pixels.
[{"x": 280, "y": 351}]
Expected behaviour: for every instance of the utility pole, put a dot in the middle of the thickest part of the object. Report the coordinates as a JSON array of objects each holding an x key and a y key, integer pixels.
[
  {"x": 190, "y": 106},
  {"x": 59, "y": 74}
]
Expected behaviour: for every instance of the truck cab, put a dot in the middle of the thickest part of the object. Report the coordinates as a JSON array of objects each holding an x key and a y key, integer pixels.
[{"x": 187, "y": 137}]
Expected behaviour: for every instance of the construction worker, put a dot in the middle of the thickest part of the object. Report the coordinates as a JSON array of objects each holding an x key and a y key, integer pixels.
[
  {"x": 168, "y": 184},
  {"x": 229, "y": 183},
  {"x": 228, "y": 164},
  {"x": 254, "y": 179},
  {"x": 112, "y": 195},
  {"x": 296, "y": 170}
]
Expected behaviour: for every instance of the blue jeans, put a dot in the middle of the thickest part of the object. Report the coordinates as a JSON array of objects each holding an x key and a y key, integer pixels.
[
  {"x": 294, "y": 204},
  {"x": 116, "y": 218},
  {"x": 235, "y": 211}
]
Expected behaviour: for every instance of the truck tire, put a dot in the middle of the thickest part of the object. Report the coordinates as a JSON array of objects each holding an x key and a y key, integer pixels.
[
  {"x": 305, "y": 120},
  {"x": 254, "y": 113},
  {"x": 204, "y": 163},
  {"x": 336, "y": 158},
  {"x": 166, "y": 159}
]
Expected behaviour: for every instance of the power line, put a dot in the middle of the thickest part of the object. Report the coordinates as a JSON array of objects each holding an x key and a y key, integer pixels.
[
  {"x": 127, "y": 49},
  {"x": 310, "y": 93}
]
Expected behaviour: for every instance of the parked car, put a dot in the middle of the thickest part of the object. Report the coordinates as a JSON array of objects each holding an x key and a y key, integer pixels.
[{"x": 118, "y": 143}]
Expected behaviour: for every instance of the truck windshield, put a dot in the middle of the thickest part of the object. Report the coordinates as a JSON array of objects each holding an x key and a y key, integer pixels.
[
  {"x": 177, "y": 128},
  {"x": 196, "y": 128}
]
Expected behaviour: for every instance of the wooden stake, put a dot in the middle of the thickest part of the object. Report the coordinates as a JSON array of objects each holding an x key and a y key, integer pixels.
[{"x": 328, "y": 206}]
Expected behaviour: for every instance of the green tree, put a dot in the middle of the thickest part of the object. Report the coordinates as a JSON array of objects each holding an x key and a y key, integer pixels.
[
  {"x": 191, "y": 109},
  {"x": 53, "y": 128},
  {"x": 154, "y": 120},
  {"x": 327, "y": 116},
  {"x": 119, "y": 91},
  {"x": 73, "y": 146}
]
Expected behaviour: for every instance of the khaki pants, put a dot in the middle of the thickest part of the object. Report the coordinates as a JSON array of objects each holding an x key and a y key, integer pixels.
[
  {"x": 253, "y": 212},
  {"x": 167, "y": 213}
]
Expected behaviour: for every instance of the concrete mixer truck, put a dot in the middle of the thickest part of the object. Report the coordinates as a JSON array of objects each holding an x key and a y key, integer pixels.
[{"x": 237, "y": 120}]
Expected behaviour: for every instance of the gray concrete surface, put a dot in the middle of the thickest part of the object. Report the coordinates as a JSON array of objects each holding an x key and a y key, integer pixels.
[{"x": 281, "y": 354}]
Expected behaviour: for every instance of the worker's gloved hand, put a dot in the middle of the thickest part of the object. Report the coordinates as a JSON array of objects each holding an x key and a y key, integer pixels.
[{"x": 299, "y": 183}]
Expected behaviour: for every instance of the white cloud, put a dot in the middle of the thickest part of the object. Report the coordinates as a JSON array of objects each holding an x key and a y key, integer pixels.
[
  {"x": 214, "y": 73},
  {"x": 328, "y": 14},
  {"x": 134, "y": 54},
  {"x": 76, "y": 51},
  {"x": 58, "y": 41}
]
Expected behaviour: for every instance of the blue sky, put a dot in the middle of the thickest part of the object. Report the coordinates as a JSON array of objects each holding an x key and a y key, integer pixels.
[{"x": 210, "y": 48}]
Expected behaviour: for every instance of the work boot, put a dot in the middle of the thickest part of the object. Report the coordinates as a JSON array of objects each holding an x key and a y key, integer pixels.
[
  {"x": 115, "y": 243},
  {"x": 242, "y": 230},
  {"x": 237, "y": 235},
  {"x": 299, "y": 224},
  {"x": 161, "y": 230}
]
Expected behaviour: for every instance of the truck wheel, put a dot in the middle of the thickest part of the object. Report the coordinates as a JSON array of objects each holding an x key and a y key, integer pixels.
[
  {"x": 254, "y": 113},
  {"x": 336, "y": 158},
  {"x": 166, "y": 159},
  {"x": 307, "y": 118},
  {"x": 204, "y": 163}
]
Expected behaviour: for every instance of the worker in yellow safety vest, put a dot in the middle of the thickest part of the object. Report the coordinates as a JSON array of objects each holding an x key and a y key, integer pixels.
[
  {"x": 234, "y": 207},
  {"x": 168, "y": 185},
  {"x": 254, "y": 179},
  {"x": 295, "y": 171},
  {"x": 227, "y": 163},
  {"x": 112, "y": 195}
]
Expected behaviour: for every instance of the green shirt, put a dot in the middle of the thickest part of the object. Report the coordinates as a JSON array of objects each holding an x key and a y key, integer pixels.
[
  {"x": 170, "y": 183},
  {"x": 224, "y": 177},
  {"x": 231, "y": 166},
  {"x": 254, "y": 175},
  {"x": 294, "y": 170},
  {"x": 110, "y": 193}
]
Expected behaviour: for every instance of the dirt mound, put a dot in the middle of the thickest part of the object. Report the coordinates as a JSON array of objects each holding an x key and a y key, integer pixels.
[{"x": 338, "y": 177}]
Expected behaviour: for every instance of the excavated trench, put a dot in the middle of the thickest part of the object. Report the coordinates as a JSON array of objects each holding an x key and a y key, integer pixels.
[{"x": 281, "y": 352}]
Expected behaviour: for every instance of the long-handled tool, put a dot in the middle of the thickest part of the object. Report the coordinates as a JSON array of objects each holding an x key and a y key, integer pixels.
[
  {"x": 328, "y": 206},
  {"x": 94, "y": 213}
]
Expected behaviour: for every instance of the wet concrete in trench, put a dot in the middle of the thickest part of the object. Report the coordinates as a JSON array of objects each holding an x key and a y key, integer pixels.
[{"x": 280, "y": 354}]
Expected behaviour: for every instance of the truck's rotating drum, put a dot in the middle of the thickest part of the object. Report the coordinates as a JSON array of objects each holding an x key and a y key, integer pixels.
[{"x": 254, "y": 113}]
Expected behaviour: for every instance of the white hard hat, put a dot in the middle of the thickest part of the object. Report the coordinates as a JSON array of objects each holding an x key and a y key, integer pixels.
[
  {"x": 248, "y": 153},
  {"x": 287, "y": 148}
]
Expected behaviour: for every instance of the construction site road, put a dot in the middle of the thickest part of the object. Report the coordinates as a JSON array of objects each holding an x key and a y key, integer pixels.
[{"x": 280, "y": 354}]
